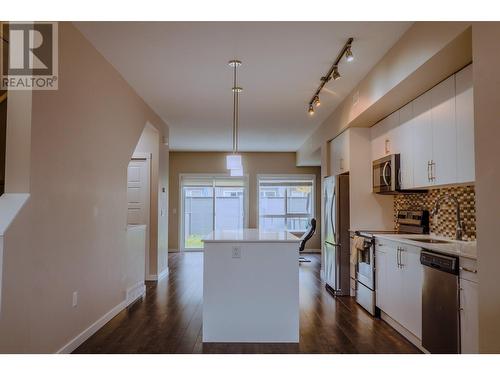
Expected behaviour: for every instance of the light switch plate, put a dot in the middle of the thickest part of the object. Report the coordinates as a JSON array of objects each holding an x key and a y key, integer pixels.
[
  {"x": 236, "y": 252},
  {"x": 75, "y": 299}
]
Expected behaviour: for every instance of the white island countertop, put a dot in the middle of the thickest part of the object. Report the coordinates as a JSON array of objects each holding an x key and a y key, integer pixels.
[
  {"x": 250, "y": 235},
  {"x": 466, "y": 249}
]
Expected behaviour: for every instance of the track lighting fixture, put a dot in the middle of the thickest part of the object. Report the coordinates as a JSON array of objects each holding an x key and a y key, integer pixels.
[
  {"x": 348, "y": 54},
  {"x": 333, "y": 73}
]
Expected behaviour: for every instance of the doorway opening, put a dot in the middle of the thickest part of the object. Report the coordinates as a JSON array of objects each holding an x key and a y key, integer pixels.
[{"x": 138, "y": 196}]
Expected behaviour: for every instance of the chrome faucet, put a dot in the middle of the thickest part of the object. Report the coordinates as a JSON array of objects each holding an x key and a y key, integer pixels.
[{"x": 459, "y": 229}]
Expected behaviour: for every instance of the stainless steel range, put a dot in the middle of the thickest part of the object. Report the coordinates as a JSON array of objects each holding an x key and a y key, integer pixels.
[{"x": 409, "y": 222}]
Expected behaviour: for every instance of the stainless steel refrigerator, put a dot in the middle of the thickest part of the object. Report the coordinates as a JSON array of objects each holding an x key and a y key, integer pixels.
[{"x": 336, "y": 234}]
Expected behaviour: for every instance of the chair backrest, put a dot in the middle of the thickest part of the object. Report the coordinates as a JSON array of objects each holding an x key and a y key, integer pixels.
[{"x": 312, "y": 229}]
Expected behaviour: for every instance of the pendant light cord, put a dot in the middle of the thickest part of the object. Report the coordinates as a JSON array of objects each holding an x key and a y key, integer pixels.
[{"x": 235, "y": 113}]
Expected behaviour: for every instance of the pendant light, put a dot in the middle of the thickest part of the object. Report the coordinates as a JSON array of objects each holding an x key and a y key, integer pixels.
[{"x": 233, "y": 161}]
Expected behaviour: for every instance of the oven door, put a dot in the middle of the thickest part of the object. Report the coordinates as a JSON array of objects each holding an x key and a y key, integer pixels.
[
  {"x": 384, "y": 174},
  {"x": 365, "y": 271}
]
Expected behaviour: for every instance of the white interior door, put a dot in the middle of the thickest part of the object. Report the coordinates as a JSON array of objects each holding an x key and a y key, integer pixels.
[{"x": 138, "y": 197}]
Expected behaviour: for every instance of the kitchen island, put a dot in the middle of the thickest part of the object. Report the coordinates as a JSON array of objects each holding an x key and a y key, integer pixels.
[{"x": 251, "y": 286}]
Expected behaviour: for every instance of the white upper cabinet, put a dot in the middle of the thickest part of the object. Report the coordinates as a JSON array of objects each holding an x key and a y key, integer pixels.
[
  {"x": 403, "y": 138},
  {"x": 422, "y": 143},
  {"x": 339, "y": 154},
  {"x": 434, "y": 135},
  {"x": 464, "y": 103},
  {"x": 384, "y": 135},
  {"x": 444, "y": 133}
]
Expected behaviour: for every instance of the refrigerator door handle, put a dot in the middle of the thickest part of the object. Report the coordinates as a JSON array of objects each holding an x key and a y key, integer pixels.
[{"x": 331, "y": 216}]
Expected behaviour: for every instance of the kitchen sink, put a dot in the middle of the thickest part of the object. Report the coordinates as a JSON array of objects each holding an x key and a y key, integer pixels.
[{"x": 428, "y": 240}]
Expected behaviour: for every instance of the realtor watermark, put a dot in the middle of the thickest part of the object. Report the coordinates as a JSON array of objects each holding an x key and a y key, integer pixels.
[{"x": 29, "y": 56}]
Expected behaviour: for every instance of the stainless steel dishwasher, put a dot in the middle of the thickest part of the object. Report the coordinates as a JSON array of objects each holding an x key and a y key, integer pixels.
[{"x": 440, "y": 303}]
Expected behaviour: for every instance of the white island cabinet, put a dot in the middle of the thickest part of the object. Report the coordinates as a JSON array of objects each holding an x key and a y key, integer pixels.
[{"x": 251, "y": 286}]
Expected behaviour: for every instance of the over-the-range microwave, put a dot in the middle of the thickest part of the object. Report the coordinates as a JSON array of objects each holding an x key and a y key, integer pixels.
[{"x": 387, "y": 176}]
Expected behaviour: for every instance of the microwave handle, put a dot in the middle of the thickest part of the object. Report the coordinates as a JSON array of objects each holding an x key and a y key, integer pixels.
[{"x": 383, "y": 173}]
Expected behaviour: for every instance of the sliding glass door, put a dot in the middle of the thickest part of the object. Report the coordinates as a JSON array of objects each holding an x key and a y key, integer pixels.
[{"x": 211, "y": 203}]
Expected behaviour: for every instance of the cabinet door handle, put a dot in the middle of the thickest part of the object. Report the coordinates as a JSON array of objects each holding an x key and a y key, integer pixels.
[
  {"x": 387, "y": 144},
  {"x": 397, "y": 257},
  {"x": 467, "y": 270},
  {"x": 401, "y": 256},
  {"x": 433, "y": 165},
  {"x": 429, "y": 170}
]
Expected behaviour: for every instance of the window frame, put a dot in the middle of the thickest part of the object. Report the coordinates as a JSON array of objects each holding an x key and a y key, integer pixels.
[
  {"x": 297, "y": 176},
  {"x": 214, "y": 176}
]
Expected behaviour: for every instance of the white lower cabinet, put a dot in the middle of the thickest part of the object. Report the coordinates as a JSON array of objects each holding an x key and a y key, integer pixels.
[
  {"x": 399, "y": 277},
  {"x": 469, "y": 319}
]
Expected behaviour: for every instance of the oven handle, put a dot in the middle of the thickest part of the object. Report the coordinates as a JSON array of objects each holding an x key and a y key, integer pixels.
[{"x": 383, "y": 173}]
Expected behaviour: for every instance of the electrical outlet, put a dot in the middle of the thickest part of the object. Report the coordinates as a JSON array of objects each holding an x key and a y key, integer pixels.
[
  {"x": 75, "y": 299},
  {"x": 236, "y": 252}
]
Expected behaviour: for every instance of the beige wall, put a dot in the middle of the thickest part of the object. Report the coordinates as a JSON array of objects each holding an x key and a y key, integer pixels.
[
  {"x": 486, "y": 57},
  {"x": 71, "y": 234},
  {"x": 426, "y": 54},
  {"x": 253, "y": 164}
]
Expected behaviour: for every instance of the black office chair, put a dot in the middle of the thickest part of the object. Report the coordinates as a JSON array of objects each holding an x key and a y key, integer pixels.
[{"x": 307, "y": 237}]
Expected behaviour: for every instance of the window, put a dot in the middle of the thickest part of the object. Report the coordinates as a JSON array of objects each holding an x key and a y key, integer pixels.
[
  {"x": 286, "y": 202},
  {"x": 211, "y": 203}
]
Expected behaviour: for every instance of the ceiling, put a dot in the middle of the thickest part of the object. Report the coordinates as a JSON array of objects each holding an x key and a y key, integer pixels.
[{"x": 180, "y": 69}]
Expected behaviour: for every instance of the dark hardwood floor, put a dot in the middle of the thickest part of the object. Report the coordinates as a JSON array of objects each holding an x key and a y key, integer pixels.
[{"x": 169, "y": 319}]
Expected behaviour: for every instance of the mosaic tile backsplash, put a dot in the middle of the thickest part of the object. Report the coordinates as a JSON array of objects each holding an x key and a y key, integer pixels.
[{"x": 444, "y": 224}]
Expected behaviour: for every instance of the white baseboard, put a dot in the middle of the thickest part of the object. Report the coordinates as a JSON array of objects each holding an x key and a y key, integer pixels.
[
  {"x": 135, "y": 292},
  {"x": 403, "y": 331},
  {"x": 93, "y": 328},
  {"x": 163, "y": 274},
  {"x": 132, "y": 294},
  {"x": 155, "y": 277}
]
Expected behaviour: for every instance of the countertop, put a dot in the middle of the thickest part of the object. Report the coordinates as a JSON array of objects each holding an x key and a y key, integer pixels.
[
  {"x": 250, "y": 235},
  {"x": 466, "y": 249}
]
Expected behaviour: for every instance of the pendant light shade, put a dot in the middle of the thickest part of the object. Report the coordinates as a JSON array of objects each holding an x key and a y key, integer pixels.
[{"x": 233, "y": 161}]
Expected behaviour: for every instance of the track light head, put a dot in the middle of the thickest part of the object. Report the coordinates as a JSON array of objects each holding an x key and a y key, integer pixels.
[
  {"x": 348, "y": 54},
  {"x": 310, "y": 110},
  {"x": 335, "y": 73},
  {"x": 317, "y": 102}
]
